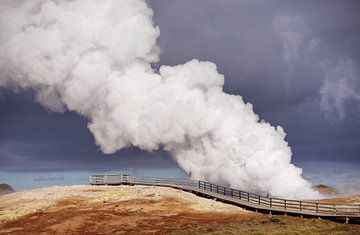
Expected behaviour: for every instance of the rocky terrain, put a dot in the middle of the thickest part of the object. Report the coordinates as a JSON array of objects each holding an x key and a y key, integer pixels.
[
  {"x": 334, "y": 195},
  {"x": 6, "y": 189},
  {"x": 142, "y": 210},
  {"x": 325, "y": 190}
]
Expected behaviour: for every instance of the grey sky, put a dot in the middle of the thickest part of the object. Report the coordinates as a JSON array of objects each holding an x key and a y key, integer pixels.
[{"x": 241, "y": 37}]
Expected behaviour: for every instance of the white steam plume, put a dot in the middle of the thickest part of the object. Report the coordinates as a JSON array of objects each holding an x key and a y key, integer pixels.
[
  {"x": 93, "y": 57},
  {"x": 340, "y": 87}
]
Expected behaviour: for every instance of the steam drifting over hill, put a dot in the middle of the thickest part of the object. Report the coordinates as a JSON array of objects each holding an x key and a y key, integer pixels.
[{"x": 94, "y": 57}]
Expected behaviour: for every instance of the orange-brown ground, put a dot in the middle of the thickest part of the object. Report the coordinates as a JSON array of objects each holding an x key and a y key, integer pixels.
[
  {"x": 142, "y": 210},
  {"x": 145, "y": 215},
  {"x": 110, "y": 210}
]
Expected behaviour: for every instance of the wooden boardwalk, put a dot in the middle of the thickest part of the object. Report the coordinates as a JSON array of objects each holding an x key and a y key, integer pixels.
[{"x": 250, "y": 201}]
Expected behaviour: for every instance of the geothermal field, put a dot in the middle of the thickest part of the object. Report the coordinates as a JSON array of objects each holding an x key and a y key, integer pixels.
[
  {"x": 144, "y": 210},
  {"x": 255, "y": 103}
]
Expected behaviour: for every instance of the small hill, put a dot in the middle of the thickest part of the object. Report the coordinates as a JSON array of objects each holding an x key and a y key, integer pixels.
[
  {"x": 110, "y": 209},
  {"x": 340, "y": 196},
  {"x": 142, "y": 210},
  {"x": 6, "y": 189},
  {"x": 325, "y": 190}
]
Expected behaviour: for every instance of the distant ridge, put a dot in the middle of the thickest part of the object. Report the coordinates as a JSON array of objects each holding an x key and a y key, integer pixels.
[
  {"x": 324, "y": 189},
  {"x": 6, "y": 189}
]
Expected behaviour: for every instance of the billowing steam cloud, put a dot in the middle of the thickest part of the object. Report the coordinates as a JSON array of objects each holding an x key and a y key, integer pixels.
[{"x": 94, "y": 57}]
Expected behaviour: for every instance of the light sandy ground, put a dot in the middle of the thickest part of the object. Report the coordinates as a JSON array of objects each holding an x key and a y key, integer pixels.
[{"x": 342, "y": 200}]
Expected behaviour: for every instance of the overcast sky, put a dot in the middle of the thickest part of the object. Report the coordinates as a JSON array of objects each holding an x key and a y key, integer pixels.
[{"x": 297, "y": 62}]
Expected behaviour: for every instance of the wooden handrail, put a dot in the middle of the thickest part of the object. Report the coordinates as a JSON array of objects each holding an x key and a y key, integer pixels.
[{"x": 267, "y": 202}]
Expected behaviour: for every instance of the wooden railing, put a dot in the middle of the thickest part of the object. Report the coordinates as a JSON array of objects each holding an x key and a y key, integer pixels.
[
  {"x": 285, "y": 204},
  {"x": 250, "y": 199},
  {"x": 145, "y": 180}
]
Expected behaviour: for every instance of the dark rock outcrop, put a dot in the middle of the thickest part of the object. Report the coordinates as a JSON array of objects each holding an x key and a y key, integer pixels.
[
  {"x": 6, "y": 189},
  {"x": 324, "y": 189}
]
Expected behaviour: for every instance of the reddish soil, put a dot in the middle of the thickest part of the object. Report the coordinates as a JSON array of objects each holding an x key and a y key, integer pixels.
[{"x": 74, "y": 216}]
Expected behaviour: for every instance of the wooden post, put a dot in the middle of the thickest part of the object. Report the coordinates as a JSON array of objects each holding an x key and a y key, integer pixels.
[
  {"x": 270, "y": 202},
  {"x": 259, "y": 199},
  {"x": 317, "y": 207},
  {"x": 285, "y": 204},
  {"x": 199, "y": 184},
  {"x": 300, "y": 205},
  {"x": 334, "y": 209},
  {"x": 217, "y": 188},
  {"x": 239, "y": 195},
  {"x": 248, "y": 196}
]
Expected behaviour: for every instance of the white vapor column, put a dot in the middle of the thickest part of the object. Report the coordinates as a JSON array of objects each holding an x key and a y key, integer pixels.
[{"x": 94, "y": 57}]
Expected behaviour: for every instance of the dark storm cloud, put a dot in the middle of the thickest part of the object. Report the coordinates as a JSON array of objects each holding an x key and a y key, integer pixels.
[
  {"x": 33, "y": 139},
  {"x": 240, "y": 37}
]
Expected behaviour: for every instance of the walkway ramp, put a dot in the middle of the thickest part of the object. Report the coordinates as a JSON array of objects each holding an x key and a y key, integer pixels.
[{"x": 247, "y": 200}]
